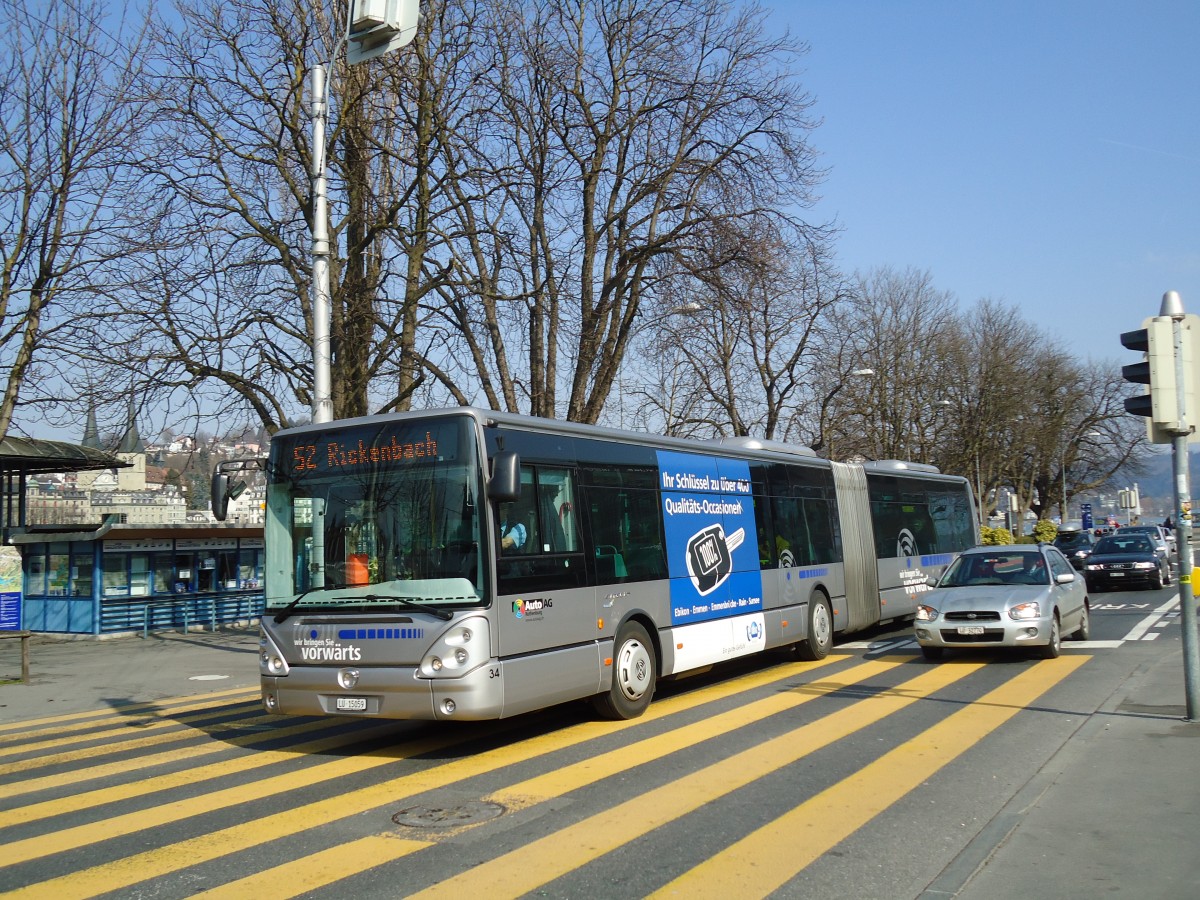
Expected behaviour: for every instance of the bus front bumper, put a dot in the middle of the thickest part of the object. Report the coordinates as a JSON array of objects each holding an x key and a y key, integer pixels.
[{"x": 385, "y": 693}]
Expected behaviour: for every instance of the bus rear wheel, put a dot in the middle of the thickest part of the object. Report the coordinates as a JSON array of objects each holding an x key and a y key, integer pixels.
[
  {"x": 819, "y": 640},
  {"x": 635, "y": 673}
]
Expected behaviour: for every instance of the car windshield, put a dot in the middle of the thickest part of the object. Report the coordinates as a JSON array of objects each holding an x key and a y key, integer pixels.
[
  {"x": 1004, "y": 567},
  {"x": 1131, "y": 543},
  {"x": 1071, "y": 540}
]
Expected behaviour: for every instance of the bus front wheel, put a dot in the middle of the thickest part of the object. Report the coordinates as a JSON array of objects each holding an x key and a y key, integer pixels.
[
  {"x": 635, "y": 672},
  {"x": 819, "y": 640}
]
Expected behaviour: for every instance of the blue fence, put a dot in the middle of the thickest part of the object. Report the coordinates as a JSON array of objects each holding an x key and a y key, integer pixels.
[{"x": 179, "y": 613}]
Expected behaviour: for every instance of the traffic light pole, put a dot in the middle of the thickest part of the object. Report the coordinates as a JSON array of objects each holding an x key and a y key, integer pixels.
[
  {"x": 1171, "y": 368},
  {"x": 1183, "y": 517}
]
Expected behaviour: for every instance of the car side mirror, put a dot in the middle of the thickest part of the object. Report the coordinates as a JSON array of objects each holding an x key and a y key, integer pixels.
[{"x": 1064, "y": 578}]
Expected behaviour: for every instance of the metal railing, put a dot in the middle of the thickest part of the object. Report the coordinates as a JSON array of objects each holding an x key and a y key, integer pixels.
[{"x": 179, "y": 613}]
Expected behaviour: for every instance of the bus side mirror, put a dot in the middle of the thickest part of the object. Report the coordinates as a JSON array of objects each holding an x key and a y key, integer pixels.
[
  {"x": 220, "y": 495},
  {"x": 223, "y": 490},
  {"x": 505, "y": 483}
]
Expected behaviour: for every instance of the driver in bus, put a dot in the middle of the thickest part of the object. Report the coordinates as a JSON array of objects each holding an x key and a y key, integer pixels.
[{"x": 512, "y": 533}]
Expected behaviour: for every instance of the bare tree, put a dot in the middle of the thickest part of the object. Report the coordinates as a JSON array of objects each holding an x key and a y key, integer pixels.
[
  {"x": 901, "y": 327},
  {"x": 1020, "y": 408},
  {"x": 68, "y": 131},
  {"x": 219, "y": 318},
  {"x": 620, "y": 134},
  {"x": 758, "y": 310}
]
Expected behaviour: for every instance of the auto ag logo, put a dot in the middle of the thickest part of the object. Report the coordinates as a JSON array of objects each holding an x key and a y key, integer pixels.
[{"x": 710, "y": 557}]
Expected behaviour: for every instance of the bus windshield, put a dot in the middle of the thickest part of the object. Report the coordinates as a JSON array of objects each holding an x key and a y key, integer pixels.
[{"x": 375, "y": 516}]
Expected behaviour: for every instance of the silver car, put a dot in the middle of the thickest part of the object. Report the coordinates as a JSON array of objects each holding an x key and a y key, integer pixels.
[{"x": 1025, "y": 595}]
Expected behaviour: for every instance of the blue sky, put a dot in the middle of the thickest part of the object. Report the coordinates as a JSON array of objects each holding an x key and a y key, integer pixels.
[{"x": 1045, "y": 154}]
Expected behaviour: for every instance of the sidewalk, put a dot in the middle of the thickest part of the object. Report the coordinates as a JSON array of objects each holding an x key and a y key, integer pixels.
[
  {"x": 75, "y": 675},
  {"x": 1114, "y": 813}
]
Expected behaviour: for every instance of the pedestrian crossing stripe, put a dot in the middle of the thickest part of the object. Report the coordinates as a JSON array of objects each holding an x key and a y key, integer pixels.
[{"x": 575, "y": 845}]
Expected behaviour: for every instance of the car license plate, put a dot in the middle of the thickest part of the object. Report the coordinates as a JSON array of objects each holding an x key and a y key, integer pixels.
[
  {"x": 352, "y": 704},
  {"x": 970, "y": 629},
  {"x": 1116, "y": 574}
]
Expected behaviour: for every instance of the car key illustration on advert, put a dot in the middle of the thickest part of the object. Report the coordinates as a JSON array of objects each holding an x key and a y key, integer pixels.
[
  {"x": 710, "y": 557},
  {"x": 708, "y": 518}
]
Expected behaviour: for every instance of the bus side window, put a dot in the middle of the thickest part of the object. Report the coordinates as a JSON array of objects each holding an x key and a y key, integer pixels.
[
  {"x": 626, "y": 529},
  {"x": 549, "y": 556}
]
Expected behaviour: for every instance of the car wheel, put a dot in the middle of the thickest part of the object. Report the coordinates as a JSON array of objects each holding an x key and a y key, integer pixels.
[
  {"x": 819, "y": 640},
  {"x": 1084, "y": 632},
  {"x": 1157, "y": 581},
  {"x": 635, "y": 671},
  {"x": 1054, "y": 648},
  {"x": 933, "y": 653},
  {"x": 1167, "y": 574}
]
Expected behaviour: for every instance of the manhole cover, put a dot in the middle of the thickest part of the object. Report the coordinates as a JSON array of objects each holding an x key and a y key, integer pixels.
[{"x": 447, "y": 816}]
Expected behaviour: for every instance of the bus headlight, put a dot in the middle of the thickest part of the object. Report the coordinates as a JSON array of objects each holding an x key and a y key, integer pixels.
[
  {"x": 270, "y": 660},
  {"x": 464, "y": 646}
]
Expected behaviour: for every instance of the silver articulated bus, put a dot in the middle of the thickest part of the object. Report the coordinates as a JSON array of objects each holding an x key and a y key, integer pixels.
[{"x": 469, "y": 564}]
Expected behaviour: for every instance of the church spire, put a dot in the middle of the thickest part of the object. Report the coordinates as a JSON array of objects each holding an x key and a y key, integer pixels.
[
  {"x": 91, "y": 434},
  {"x": 132, "y": 441}
]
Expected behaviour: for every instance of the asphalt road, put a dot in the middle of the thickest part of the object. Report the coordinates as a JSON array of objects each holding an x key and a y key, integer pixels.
[{"x": 146, "y": 768}]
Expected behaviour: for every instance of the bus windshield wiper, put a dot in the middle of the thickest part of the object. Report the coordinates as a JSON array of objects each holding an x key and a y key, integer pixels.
[
  {"x": 409, "y": 603},
  {"x": 286, "y": 613}
]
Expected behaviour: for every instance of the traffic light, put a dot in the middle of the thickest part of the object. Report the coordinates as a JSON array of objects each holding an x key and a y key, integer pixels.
[
  {"x": 1161, "y": 403},
  {"x": 375, "y": 27}
]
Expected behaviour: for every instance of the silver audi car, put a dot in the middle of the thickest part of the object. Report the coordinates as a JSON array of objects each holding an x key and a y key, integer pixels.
[{"x": 1024, "y": 595}]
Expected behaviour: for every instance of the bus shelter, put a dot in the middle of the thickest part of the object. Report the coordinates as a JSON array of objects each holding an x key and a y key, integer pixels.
[
  {"x": 121, "y": 578},
  {"x": 112, "y": 576}
]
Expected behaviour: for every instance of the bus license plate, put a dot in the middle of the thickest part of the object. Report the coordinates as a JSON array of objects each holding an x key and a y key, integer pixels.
[
  {"x": 970, "y": 629},
  {"x": 352, "y": 704}
]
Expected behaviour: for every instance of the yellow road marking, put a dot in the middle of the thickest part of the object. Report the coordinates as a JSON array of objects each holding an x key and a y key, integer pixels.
[
  {"x": 157, "y": 816},
  {"x": 769, "y": 857},
  {"x": 117, "y": 767},
  {"x": 317, "y": 869},
  {"x": 120, "y": 874},
  {"x": 117, "y": 713},
  {"x": 512, "y": 875},
  {"x": 122, "y": 746},
  {"x": 118, "y": 792},
  {"x": 130, "y": 727},
  {"x": 594, "y": 768}
]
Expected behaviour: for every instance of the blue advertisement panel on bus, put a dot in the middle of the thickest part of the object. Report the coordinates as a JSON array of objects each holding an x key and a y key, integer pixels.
[{"x": 712, "y": 554}]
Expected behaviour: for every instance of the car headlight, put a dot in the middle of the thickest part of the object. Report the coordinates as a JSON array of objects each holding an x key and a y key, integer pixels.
[
  {"x": 1025, "y": 611},
  {"x": 926, "y": 613},
  {"x": 1094, "y": 567},
  {"x": 1145, "y": 565},
  {"x": 464, "y": 646}
]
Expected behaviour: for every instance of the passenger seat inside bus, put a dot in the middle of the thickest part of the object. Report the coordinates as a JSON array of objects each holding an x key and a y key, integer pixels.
[{"x": 610, "y": 565}]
